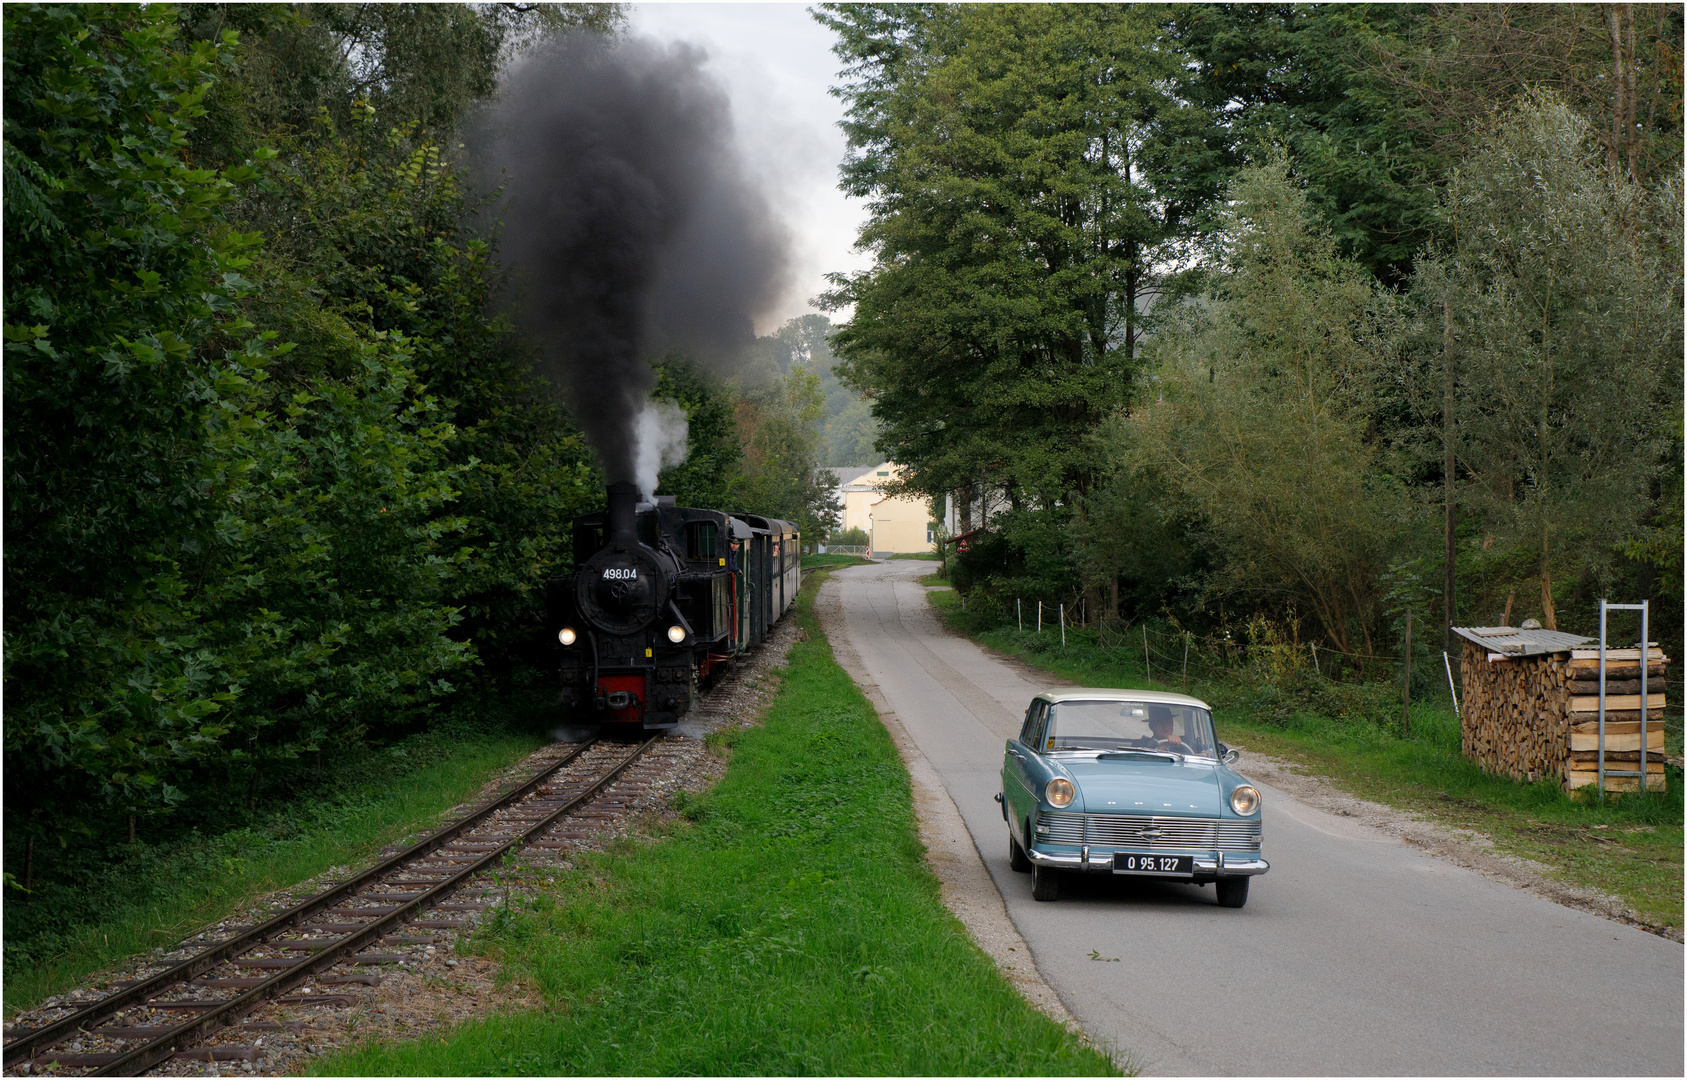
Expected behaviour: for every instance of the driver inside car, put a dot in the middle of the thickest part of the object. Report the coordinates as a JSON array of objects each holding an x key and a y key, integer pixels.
[{"x": 1162, "y": 735}]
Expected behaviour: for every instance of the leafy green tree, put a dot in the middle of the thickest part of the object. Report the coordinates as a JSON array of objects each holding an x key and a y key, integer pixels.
[
  {"x": 1263, "y": 428},
  {"x": 1309, "y": 77},
  {"x": 207, "y": 566},
  {"x": 778, "y": 427},
  {"x": 1565, "y": 290},
  {"x": 714, "y": 454},
  {"x": 848, "y": 430},
  {"x": 423, "y": 64},
  {"x": 1013, "y": 159},
  {"x": 131, "y": 385}
]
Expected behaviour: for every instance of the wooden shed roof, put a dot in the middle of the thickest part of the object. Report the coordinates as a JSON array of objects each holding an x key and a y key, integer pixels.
[{"x": 1516, "y": 641}]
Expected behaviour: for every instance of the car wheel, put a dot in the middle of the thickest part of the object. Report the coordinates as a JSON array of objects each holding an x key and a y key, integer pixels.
[
  {"x": 1018, "y": 862},
  {"x": 1045, "y": 883},
  {"x": 1232, "y": 891}
]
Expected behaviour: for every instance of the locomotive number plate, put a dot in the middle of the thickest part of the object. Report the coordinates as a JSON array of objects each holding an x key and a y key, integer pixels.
[{"x": 620, "y": 573}]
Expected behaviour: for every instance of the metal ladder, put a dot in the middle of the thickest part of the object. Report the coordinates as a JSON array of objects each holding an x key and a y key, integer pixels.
[{"x": 1645, "y": 663}]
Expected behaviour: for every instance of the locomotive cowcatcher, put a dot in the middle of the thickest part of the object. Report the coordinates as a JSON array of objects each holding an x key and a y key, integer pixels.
[{"x": 661, "y": 599}]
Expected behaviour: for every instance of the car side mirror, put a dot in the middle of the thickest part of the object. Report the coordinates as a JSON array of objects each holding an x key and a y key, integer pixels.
[{"x": 1228, "y": 755}]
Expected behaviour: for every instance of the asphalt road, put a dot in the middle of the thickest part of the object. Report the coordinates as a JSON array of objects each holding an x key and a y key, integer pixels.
[{"x": 1356, "y": 954}]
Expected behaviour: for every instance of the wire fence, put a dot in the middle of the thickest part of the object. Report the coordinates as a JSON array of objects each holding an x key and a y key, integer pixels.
[{"x": 1261, "y": 653}]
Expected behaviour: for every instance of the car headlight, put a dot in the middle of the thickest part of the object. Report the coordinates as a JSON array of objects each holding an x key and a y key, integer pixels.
[
  {"x": 676, "y": 634},
  {"x": 566, "y": 635},
  {"x": 1059, "y": 792},
  {"x": 1244, "y": 800}
]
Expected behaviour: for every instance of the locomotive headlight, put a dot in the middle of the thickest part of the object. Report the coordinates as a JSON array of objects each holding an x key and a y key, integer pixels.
[
  {"x": 1244, "y": 800},
  {"x": 676, "y": 634},
  {"x": 567, "y": 635},
  {"x": 1059, "y": 792}
]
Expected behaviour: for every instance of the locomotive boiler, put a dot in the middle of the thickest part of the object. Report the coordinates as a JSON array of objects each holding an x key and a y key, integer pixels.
[{"x": 661, "y": 598}]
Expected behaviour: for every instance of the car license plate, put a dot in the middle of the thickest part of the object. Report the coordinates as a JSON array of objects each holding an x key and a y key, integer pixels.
[{"x": 1168, "y": 865}]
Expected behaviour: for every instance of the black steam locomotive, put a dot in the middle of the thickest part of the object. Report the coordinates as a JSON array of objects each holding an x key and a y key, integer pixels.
[{"x": 661, "y": 598}]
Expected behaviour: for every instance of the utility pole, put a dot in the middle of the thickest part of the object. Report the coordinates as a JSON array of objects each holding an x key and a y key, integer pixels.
[
  {"x": 1406, "y": 700},
  {"x": 1447, "y": 468}
]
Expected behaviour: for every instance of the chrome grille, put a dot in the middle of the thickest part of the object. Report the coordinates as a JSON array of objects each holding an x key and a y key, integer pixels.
[{"x": 1148, "y": 833}]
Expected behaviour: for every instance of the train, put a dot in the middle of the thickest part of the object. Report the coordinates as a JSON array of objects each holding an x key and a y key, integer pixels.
[{"x": 662, "y": 599}]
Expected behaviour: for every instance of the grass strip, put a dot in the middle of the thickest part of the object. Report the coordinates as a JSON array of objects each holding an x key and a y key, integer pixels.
[
  {"x": 1630, "y": 846},
  {"x": 163, "y": 893},
  {"x": 787, "y": 926},
  {"x": 816, "y": 562}
]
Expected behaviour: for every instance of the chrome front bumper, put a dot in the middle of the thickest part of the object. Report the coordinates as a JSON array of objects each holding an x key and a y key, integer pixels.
[{"x": 1224, "y": 864}]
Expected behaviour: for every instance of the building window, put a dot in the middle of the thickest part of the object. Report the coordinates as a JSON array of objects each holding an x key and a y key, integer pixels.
[{"x": 887, "y": 474}]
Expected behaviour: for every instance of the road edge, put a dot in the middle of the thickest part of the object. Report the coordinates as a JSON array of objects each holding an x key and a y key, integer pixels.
[{"x": 967, "y": 889}]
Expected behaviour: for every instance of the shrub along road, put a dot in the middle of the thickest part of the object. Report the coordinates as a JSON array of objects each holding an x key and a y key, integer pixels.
[{"x": 1356, "y": 954}]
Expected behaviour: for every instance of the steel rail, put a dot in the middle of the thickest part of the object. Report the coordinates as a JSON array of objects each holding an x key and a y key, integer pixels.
[
  {"x": 28, "y": 1043},
  {"x": 166, "y": 1046}
]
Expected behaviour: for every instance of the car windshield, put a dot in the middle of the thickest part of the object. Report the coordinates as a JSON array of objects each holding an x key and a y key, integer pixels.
[{"x": 1130, "y": 725}]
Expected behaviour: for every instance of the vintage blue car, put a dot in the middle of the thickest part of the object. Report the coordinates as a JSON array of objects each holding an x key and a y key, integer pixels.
[{"x": 1128, "y": 782}]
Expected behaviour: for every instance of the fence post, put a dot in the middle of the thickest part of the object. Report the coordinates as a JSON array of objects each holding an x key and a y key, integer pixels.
[
  {"x": 1039, "y": 616},
  {"x": 1186, "y": 659},
  {"x": 1146, "y": 664},
  {"x": 1062, "y": 625},
  {"x": 1019, "y": 614},
  {"x": 1451, "y": 689},
  {"x": 1406, "y": 706},
  {"x": 1313, "y": 645}
]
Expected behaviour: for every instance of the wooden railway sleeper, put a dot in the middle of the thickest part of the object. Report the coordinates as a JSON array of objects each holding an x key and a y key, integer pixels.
[
  {"x": 220, "y": 1014},
  {"x": 28, "y": 1044}
]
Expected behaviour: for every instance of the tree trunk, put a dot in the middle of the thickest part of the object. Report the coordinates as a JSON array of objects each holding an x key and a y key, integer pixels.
[
  {"x": 1549, "y": 614},
  {"x": 1113, "y": 600},
  {"x": 964, "y": 497}
]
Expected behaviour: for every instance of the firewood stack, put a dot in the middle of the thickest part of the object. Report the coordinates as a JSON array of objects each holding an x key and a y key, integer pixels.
[{"x": 1536, "y": 715}]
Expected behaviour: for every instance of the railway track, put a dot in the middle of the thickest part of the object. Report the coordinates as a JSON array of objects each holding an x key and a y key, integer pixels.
[{"x": 321, "y": 941}]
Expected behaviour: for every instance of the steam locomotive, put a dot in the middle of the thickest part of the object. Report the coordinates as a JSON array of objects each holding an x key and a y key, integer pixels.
[{"x": 662, "y": 597}]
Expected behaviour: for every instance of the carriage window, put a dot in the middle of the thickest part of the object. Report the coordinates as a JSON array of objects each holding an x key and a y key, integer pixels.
[{"x": 700, "y": 540}]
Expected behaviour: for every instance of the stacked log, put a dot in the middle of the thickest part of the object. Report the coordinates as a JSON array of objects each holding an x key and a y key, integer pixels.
[
  {"x": 1622, "y": 718},
  {"x": 1529, "y": 717}
]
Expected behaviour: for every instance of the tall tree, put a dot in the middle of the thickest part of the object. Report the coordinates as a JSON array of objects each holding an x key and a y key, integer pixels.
[
  {"x": 1017, "y": 160},
  {"x": 1305, "y": 77},
  {"x": 1263, "y": 429},
  {"x": 1620, "y": 65},
  {"x": 1566, "y": 289}
]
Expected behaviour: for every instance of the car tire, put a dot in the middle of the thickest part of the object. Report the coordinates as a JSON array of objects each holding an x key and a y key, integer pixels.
[
  {"x": 1018, "y": 861},
  {"x": 1045, "y": 883},
  {"x": 1232, "y": 891}
]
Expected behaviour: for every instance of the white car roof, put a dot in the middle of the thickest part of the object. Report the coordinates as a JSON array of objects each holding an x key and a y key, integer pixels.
[{"x": 1097, "y": 693}]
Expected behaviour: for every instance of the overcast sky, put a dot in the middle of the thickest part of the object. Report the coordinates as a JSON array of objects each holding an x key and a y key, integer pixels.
[{"x": 776, "y": 64}]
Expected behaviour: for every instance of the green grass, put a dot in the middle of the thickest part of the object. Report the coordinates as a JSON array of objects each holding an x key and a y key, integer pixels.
[
  {"x": 160, "y": 894},
  {"x": 788, "y": 926},
  {"x": 923, "y": 556},
  {"x": 815, "y": 562},
  {"x": 1631, "y": 846}
]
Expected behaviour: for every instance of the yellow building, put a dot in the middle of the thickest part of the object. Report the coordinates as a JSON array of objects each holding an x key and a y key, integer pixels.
[{"x": 893, "y": 525}]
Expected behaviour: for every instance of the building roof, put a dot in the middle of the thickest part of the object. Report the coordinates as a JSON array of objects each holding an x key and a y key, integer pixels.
[
  {"x": 844, "y": 475},
  {"x": 1517, "y": 641}
]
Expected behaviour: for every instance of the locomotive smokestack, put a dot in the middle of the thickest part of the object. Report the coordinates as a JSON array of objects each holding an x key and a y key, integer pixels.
[{"x": 623, "y": 511}]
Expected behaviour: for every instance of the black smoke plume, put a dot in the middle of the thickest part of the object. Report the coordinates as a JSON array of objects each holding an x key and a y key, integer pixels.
[{"x": 631, "y": 227}]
